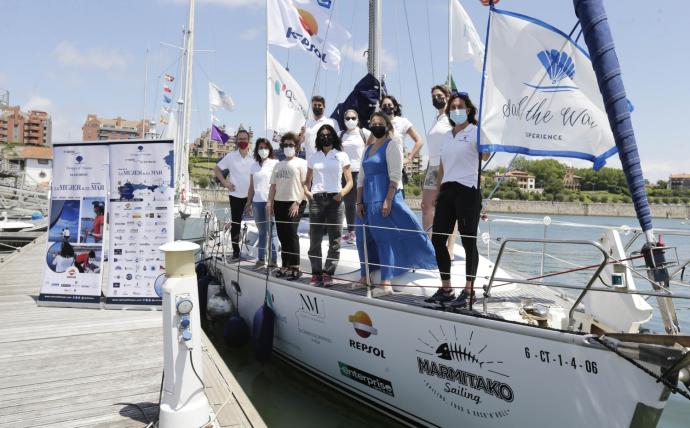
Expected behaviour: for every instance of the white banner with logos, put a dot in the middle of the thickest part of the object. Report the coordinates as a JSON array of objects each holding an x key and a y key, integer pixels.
[
  {"x": 141, "y": 220},
  {"x": 74, "y": 253},
  {"x": 539, "y": 94}
]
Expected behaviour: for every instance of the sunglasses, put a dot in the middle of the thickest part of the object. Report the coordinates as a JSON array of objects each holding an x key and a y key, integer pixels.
[
  {"x": 325, "y": 135},
  {"x": 287, "y": 145},
  {"x": 351, "y": 118}
]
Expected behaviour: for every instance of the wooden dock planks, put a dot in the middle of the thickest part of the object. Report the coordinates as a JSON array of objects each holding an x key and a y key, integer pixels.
[{"x": 73, "y": 367}]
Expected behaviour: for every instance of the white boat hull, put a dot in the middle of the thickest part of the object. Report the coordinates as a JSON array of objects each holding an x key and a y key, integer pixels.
[{"x": 436, "y": 368}]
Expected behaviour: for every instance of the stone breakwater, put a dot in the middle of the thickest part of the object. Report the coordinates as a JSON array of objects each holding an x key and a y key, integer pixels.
[{"x": 530, "y": 207}]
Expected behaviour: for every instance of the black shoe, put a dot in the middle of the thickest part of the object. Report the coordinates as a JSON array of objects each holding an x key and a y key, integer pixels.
[
  {"x": 235, "y": 257},
  {"x": 464, "y": 299},
  {"x": 442, "y": 295}
]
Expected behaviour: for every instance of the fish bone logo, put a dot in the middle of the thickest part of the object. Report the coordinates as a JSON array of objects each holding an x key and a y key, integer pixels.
[
  {"x": 362, "y": 323},
  {"x": 559, "y": 68}
]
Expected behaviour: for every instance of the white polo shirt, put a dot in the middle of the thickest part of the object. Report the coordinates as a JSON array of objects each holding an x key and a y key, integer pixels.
[
  {"x": 434, "y": 140},
  {"x": 311, "y": 128},
  {"x": 353, "y": 146},
  {"x": 400, "y": 126},
  {"x": 327, "y": 170},
  {"x": 239, "y": 171},
  {"x": 261, "y": 176},
  {"x": 460, "y": 157}
]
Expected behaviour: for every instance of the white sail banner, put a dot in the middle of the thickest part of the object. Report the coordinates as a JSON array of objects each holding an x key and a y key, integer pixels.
[
  {"x": 308, "y": 24},
  {"x": 219, "y": 99},
  {"x": 74, "y": 252},
  {"x": 464, "y": 39},
  {"x": 539, "y": 94},
  {"x": 287, "y": 104},
  {"x": 141, "y": 220}
]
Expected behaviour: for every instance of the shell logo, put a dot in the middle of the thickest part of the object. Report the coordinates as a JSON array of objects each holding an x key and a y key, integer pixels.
[
  {"x": 308, "y": 22},
  {"x": 362, "y": 323}
]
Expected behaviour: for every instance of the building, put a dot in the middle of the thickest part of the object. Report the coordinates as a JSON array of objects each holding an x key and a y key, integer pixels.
[
  {"x": 33, "y": 128},
  {"x": 525, "y": 181},
  {"x": 415, "y": 166},
  {"x": 26, "y": 166},
  {"x": 570, "y": 180},
  {"x": 96, "y": 129},
  {"x": 679, "y": 182},
  {"x": 204, "y": 147}
]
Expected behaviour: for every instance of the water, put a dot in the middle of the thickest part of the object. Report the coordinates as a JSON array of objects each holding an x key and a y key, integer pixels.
[{"x": 285, "y": 397}]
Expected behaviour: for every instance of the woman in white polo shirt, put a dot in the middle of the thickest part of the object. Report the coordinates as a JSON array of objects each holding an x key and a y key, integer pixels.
[
  {"x": 459, "y": 198},
  {"x": 402, "y": 126},
  {"x": 325, "y": 192},
  {"x": 238, "y": 163},
  {"x": 354, "y": 140},
  {"x": 259, "y": 183}
]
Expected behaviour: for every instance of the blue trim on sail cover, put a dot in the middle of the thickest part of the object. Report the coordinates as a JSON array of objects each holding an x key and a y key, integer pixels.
[
  {"x": 599, "y": 41},
  {"x": 598, "y": 161}
]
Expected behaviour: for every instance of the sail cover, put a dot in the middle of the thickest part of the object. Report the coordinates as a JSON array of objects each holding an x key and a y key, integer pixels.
[
  {"x": 363, "y": 99},
  {"x": 539, "y": 93}
]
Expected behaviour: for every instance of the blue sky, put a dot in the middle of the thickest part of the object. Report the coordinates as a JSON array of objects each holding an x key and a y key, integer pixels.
[{"x": 74, "y": 57}]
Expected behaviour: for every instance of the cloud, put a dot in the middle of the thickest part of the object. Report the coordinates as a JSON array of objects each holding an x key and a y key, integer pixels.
[
  {"x": 250, "y": 34},
  {"x": 358, "y": 56},
  {"x": 69, "y": 55},
  {"x": 36, "y": 102}
]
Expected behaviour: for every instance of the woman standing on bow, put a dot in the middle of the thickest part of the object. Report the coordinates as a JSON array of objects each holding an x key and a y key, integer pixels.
[
  {"x": 287, "y": 201},
  {"x": 396, "y": 242},
  {"x": 323, "y": 187},
  {"x": 459, "y": 198},
  {"x": 238, "y": 163},
  {"x": 354, "y": 140},
  {"x": 259, "y": 183}
]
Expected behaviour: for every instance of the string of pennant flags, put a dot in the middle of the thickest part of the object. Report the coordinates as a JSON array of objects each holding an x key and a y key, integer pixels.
[{"x": 167, "y": 98}]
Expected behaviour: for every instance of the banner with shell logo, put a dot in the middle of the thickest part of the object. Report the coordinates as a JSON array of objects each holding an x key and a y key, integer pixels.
[{"x": 540, "y": 95}]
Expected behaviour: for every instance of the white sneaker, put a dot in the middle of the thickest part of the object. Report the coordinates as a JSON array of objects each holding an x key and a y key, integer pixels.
[{"x": 386, "y": 290}]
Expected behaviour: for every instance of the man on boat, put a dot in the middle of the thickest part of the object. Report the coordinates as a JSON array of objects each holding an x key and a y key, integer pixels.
[{"x": 307, "y": 136}]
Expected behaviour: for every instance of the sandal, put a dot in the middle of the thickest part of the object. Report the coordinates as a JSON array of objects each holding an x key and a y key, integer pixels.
[
  {"x": 282, "y": 273},
  {"x": 294, "y": 274}
]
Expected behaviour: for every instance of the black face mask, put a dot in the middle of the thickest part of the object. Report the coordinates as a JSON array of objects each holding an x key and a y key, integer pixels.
[
  {"x": 325, "y": 141},
  {"x": 378, "y": 130},
  {"x": 388, "y": 110},
  {"x": 318, "y": 111},
  {"x": 439, "y": 102}
]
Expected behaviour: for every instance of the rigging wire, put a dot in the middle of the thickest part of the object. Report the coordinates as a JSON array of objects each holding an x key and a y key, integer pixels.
[
  {"x": 428, "y": 34},
  {"x": 397, "y": 53},
  {"x": 323, "y": 45},
  {"x": 351, "y": 44},
  {"x": 414, "y": 65}
]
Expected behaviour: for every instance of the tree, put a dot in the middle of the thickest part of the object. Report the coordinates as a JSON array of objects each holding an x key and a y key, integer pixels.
[
  {"x": 202, "y": 181},
  {"x": 662, "y": 184}
]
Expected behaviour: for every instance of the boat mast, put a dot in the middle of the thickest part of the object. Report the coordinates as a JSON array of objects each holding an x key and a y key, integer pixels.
[
  {"x": 187, "y": 100},
  {"x": 373, "y": 59}
]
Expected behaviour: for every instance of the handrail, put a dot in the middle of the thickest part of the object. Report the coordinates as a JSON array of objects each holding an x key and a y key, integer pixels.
[{"x": 571, "y": 321}]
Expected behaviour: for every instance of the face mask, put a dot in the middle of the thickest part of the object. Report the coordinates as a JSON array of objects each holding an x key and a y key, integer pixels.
[
  {"x": 458, "y": 116},
  {"x": 263, "y": 153},
  {"x": 243, "y": 144},
  {"x": 388, "y": 110},
  {"x": 378, "y": 130},
  {"x": 318, "y": 111},
  {"x": 289, "y": 152},
  {"x": 325, "y": 141},
  {"x": 351, "y": 124},
  {"x": 439, "y": 102}
]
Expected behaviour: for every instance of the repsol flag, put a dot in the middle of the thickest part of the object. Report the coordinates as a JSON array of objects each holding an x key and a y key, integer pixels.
[
  {"x": 307, "y": 24},
  {"x": 539, "y": 93}
]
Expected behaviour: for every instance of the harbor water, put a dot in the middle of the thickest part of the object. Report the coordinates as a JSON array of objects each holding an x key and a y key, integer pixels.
[{"x": 287, "y": 397}]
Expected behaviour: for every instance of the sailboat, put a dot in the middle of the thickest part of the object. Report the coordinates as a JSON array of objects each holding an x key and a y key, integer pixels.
[{"x": 526, "y": 354}]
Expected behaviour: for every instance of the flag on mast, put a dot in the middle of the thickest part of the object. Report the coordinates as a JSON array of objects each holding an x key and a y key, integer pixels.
[
  {"x": 170, "y": 132},
  {"x": 464, "y": 39},
  {"x": 308, "y": 24},
  {"x": 167, "y": 89},
  {"x": 218, "y": 134},
  {"x": 168, "y": 77},
  {"x": 287, "y": 105},
  {"x": 218, "y": 99}
]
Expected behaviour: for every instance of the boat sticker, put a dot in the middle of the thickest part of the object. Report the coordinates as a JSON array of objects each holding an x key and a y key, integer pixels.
[
  {"x": 367, "y": 379},
  {"x": 311, "y": 317},
  {"x": 364, "y": 328}
]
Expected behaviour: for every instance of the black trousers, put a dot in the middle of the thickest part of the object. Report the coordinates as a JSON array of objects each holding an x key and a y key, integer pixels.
[
  {"x": 236, "y": 211},
  {"x": 350, "y": 201},
  {"x": 286, "y": 227},
  {"x": 325, "y": 216},
  {"x": 463, "y": 204}
]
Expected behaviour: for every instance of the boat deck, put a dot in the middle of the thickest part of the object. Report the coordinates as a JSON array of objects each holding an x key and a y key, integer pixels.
[{"x": 73, "y": 367}]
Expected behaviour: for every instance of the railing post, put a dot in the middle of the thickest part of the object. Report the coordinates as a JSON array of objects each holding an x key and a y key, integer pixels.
[
  {"x": 366, "y": 259},
  {"x": 547, "y": 222}
]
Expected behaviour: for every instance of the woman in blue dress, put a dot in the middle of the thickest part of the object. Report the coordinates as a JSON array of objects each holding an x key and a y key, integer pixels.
[{"x": 396, "y": 241}]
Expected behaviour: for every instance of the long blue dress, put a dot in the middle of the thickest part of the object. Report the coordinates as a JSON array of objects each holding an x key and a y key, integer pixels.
[{"x": 405, "y": 246}]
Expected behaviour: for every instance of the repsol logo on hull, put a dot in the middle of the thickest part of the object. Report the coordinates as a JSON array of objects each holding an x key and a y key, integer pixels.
[
  {"x": 367, "y": 349},
  {"x": 307, "y": 44},
  {"x": 491, "y": 387}
]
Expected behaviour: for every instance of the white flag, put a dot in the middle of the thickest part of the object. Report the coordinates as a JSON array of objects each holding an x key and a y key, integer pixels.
[
  {"x": 287, "y": 104},
  {"x": 464, "y": 39},
  {"x": 307, "y": 24},
  {"x": 540, "y": 94},
  {"x": 170, "y": 132},
  {"x": 217, "y": 98}
]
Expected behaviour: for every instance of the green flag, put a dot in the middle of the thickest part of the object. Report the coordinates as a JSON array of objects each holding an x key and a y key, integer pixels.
[{"x": 452, "y": 86}]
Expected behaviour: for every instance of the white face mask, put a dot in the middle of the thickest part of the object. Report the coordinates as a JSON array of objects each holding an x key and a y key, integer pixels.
[
  {"x": 263, "y": 153},
  {"x": 351, "y": 124},
  {"x": 289, "y": 152}
]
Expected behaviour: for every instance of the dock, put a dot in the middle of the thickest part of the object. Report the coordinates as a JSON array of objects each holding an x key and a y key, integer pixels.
[{"x": 73, "y": 367}]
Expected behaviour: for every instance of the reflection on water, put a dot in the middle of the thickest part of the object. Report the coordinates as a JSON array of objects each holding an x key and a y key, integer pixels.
[{"x": 285, "y": 397}]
